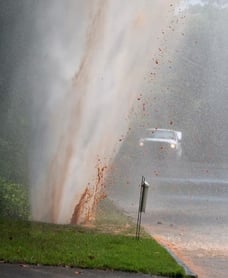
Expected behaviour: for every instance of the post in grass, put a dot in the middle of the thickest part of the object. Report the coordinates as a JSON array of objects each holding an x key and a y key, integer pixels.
[{"x": 142, "y": 204}]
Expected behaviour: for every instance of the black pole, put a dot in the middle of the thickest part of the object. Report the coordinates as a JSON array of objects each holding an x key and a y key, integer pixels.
[{"x": 139, "y": 210}]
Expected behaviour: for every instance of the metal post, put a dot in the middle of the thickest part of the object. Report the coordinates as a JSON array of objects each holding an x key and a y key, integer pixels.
[
  {"x": 142, "y": 204},
  {"x": 139, "y": 210}
]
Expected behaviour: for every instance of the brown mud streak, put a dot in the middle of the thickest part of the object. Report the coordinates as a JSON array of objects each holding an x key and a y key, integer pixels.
[
  {"x": 83, "y": 209},
  {"x": 80, "y": 207},
  {"x": 87, "y": 205}
]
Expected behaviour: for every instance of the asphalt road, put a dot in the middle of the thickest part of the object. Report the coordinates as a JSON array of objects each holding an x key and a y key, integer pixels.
[
  {"x": 28, "y": 271},
  {"x": 190, "y": 217}
]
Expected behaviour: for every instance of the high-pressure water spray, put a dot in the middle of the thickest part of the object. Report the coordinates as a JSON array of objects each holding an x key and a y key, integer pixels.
[{"x": 90, "y": 59}]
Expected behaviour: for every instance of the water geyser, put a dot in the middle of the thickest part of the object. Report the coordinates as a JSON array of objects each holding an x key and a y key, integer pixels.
[{"x": 88, "y": 60}]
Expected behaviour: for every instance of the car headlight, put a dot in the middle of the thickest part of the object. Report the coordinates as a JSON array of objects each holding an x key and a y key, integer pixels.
[
  {"x": 173, "y": 146},
  {"x": 141, "y": 144}
]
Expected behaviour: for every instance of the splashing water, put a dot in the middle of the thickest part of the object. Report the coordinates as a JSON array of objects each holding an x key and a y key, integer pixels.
[{"x": 89, "y": 59}]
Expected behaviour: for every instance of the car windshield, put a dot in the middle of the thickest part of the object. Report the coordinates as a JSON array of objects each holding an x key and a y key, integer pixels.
[{"x": 161, "y": 134}]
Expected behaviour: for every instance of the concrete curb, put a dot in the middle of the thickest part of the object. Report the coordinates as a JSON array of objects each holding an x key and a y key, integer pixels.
[{"x": 188, "y": 271}]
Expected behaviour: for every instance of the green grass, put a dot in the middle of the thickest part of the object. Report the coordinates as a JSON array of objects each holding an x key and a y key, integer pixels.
[
  {"x": 109, "y": 243},
  {"x": 48, "y": 244}
]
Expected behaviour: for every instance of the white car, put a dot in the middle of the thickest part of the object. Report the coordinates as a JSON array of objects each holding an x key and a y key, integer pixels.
[{"x": 168, "y": 141}]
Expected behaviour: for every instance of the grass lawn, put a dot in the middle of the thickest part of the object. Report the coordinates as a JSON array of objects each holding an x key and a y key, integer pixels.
[
  {"x": 107, "y": 244},
  {"x": 86, "y": 247}
]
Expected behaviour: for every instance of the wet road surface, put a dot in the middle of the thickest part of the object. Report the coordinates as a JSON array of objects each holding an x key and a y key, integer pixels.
[{"x": 190, "y": 217}]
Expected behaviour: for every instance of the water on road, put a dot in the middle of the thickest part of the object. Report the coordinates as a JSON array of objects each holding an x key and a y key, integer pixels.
[{"x": 189, "y": 216}]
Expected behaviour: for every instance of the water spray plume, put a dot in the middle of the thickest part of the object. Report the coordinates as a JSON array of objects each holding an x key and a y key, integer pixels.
[{"x": 90, "y": 58}]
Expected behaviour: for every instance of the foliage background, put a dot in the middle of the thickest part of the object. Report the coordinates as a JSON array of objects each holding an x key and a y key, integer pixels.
[{"x": 14, "y": 107}]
